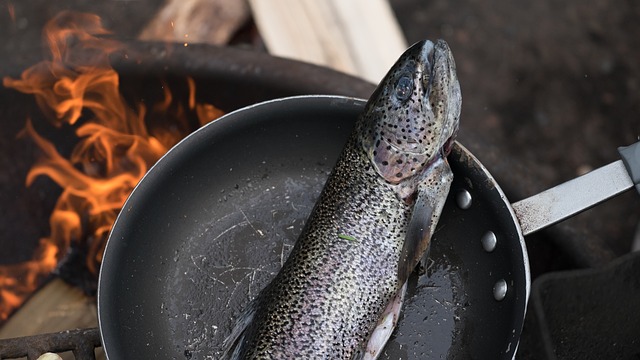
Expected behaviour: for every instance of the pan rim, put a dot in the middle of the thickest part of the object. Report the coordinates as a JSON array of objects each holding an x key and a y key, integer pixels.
[
  {"x": 523, "y": 245},
  {"x": 518, "y": 228}
]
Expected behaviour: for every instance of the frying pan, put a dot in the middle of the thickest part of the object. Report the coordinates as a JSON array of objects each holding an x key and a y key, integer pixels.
[{"x": 211, "y": 223}]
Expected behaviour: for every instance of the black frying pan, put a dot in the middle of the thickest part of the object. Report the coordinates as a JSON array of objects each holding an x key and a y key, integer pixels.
[{"x": 212, "y": 222}]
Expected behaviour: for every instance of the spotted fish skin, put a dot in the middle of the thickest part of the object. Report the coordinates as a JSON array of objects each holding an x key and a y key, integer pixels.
[{"x": 371, "y": 225}]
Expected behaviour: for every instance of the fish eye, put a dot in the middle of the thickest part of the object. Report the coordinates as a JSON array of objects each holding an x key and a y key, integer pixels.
[{"x": 404, "y": 88}]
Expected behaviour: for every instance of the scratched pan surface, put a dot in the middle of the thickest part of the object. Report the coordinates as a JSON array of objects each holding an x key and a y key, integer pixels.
[{"x": 213, "y": 221}]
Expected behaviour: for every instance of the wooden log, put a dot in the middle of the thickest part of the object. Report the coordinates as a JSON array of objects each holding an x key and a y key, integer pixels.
[
  {"x": 56, "y": 307},
  {"x": 359, "y": 37},
  {"x": 197, "y": 21}
]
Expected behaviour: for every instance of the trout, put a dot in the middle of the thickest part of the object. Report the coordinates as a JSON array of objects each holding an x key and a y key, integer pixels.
[{"x": 340, "y": 291}]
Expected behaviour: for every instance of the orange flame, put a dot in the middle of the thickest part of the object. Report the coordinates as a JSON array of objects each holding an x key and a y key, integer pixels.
[
  {"x": 12, "y": 12},
  {"x": 78, "y": 88}
]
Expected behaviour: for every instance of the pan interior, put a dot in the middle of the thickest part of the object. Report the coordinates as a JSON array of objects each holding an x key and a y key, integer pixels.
[{"x": 214, "y": 220}]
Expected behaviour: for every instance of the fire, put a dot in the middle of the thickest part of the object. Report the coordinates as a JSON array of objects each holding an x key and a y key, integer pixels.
[
  {"x": 78, "y": 89},
  {"x": 12, "y": 12}
]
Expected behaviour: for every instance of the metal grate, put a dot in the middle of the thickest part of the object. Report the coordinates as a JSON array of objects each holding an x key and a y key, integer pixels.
[{"x": 81, "y": 342}]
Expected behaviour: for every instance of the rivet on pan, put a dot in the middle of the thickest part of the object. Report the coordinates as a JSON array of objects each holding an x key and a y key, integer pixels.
[
  {"x": 464, "y": 199},
  {"x": 489, "y": 241},
  {"x": 500, "y": 290}
]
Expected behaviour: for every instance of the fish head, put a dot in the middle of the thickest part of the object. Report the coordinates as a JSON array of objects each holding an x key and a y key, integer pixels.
[{"x": 413, "y": 116}]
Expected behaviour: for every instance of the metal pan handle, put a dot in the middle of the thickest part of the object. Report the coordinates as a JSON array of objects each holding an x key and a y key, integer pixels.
[{"x": 574, "y": 196}]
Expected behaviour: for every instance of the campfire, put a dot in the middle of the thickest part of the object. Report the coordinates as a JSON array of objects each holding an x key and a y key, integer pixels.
[{"x": 115, "y": 144}]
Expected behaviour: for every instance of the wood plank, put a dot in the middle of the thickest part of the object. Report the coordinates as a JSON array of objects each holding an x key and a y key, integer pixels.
[
  {"x": 359, "y": 37},
  {"x": 197, "y": 21},
  {"x": 55, "y": 307}
]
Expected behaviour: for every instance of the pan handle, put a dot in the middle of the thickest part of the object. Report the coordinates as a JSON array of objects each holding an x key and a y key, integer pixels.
[{"x": 574, "y": 196}]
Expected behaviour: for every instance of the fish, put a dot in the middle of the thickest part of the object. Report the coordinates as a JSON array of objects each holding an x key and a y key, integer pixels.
[{"x": 340, "y": 292}]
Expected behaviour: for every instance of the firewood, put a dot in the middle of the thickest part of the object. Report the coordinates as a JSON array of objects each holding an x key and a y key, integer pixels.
[
  {"x": 197, "y": 21},
  {"x": 56, "y": 307},
  {"x": 359, "y": 37}
]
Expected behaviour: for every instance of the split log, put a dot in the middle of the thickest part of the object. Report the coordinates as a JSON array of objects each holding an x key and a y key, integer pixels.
[
  {"x": 55, "y": 307},
  {"x": 359, "y": 37},
  {"x": 197, "y": 21}
]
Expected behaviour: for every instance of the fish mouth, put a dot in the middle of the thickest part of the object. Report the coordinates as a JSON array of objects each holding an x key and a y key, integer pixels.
[
  {"x": 434, "y": 57},
  {"x": 427, "y": 57},
  {"x": 439, "y": 64}
]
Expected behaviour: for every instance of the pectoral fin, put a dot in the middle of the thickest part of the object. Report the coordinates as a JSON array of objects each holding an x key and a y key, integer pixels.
[
  {"x": 431, "y": 195},
  {"x": 385, "y": 326}
]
